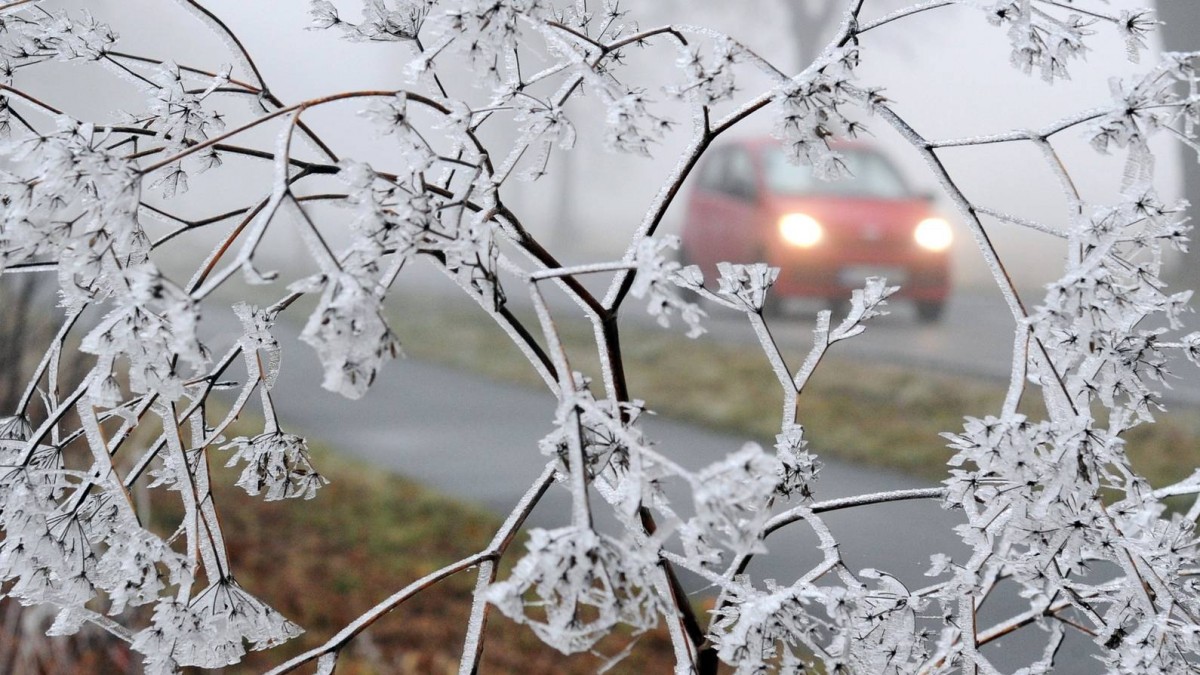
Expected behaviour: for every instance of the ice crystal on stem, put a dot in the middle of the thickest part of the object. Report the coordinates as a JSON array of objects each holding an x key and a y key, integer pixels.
[
  {"x": 811, "y": 112},
  {"x": 1040, "y": 40},
  {"x": 733, "y": 498},
  {"x": 350, "y": 335},
  {"x": 747, "y": 285},
  {"x": 14, "y": 428},
  {"x": 799, "y": 466},
  {"x": 585, "y": 584},
  {"x": 656, "y": 281},
  {"x": 211, "y": 630},
  {"x": 154, "y": 326},
  {"x": 277, "y": 464}
]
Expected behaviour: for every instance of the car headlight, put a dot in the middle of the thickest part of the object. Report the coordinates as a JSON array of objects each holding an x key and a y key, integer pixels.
[
  {"x": 934, "y": 234},
  {"x": 800, "y": 230}
]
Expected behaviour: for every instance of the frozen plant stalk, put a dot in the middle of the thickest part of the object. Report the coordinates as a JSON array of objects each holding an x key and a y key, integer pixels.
[{"x": 1052, "y": 507}]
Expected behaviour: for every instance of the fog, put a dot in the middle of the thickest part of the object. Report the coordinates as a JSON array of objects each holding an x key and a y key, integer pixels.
[{"x": 946, "y": 71}]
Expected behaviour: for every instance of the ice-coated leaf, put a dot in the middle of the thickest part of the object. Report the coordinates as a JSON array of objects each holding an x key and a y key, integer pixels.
[
  {"x": 350, "y": 336},
  {"x": 657, "y": 280},
  {"x": 256, "y": 336},
  {"x": 732, "y": 498},
  {"x": 277, "y": 465}
]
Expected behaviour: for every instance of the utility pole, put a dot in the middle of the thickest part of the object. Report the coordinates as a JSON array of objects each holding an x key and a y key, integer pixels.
[
  {"x": 1181, "y": 33},
  {"x": 809, "y": 21}
]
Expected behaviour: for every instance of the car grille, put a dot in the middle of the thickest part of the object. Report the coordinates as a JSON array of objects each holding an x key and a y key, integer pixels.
[{"x": 863, "y": 238}]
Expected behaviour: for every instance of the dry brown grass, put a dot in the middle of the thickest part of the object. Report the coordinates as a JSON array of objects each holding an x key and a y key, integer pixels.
[{"x": 367, "y": 534}]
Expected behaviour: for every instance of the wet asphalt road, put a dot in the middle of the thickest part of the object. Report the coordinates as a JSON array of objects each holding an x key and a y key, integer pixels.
[{"x": 476, "y": 440}]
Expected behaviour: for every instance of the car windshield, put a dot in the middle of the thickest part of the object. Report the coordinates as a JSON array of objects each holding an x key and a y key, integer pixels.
[{"x": 871, "y": 175}]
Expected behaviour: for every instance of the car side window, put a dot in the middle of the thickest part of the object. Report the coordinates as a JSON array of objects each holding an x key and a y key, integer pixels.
[
  {"x": 740, "y": 180},
  {"x": 713, "y": 172}
]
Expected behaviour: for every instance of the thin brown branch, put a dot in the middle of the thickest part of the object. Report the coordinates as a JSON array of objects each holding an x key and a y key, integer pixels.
[
  {"x": 311, "y": 103},
  {"x": 46, "y": 107},
  {"x": 15, "y": 4}
]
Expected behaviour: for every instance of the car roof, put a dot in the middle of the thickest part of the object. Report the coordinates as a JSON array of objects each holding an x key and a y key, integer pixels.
[{"x": 758, "y": 143}]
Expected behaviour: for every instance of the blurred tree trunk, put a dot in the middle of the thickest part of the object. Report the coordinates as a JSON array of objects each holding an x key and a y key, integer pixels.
[
  {"x": 565, "y": 233},
  {"x": 16, "y": 304},
  {"x": 810, "y": 22},
  {"x": 1181, "y": 33}
]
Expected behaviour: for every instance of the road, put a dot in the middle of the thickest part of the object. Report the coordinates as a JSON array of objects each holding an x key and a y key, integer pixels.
[{"x": 476, "y": 440}]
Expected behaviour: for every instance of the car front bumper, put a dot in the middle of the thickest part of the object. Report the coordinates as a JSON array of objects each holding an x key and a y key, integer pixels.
[{"x": 923, "y": 277}]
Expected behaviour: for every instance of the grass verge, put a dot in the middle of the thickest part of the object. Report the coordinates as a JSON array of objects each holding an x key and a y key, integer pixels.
[
  {"x": 323, "y": 562},
  {"x": 367, "y": 534},
  {"x": 871, "y": 413}
]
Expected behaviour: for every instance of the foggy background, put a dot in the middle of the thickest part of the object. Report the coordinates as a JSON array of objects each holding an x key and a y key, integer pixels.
[{"x": 946, "y": 71}]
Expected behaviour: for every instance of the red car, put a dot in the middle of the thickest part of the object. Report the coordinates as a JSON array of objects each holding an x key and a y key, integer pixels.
[{"x": 750, "y": 204}]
